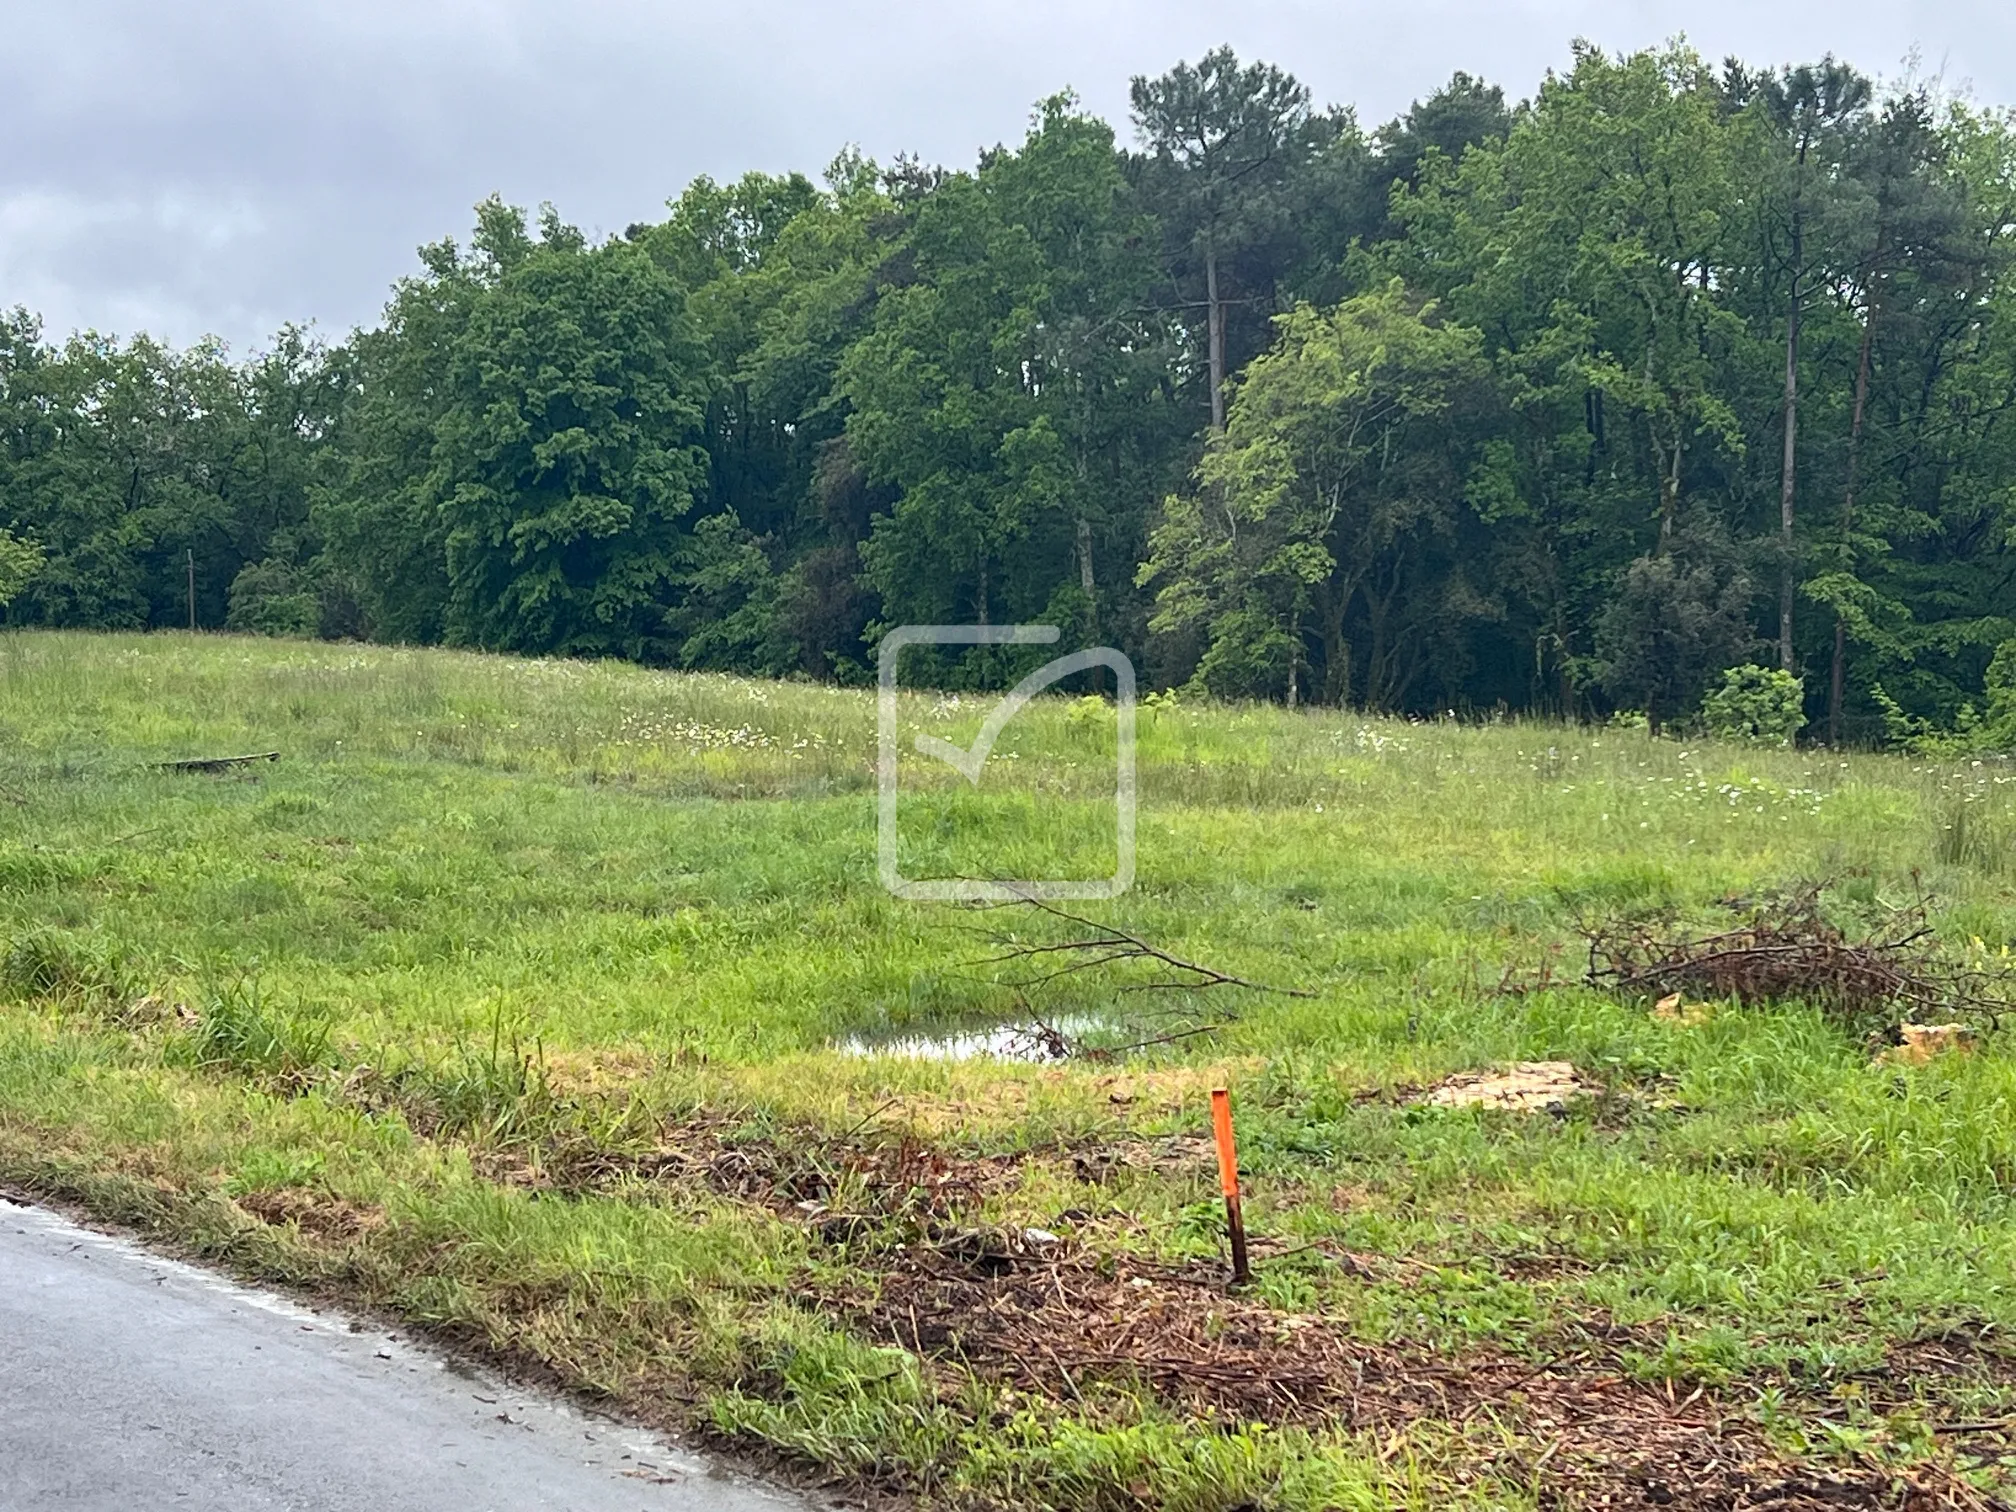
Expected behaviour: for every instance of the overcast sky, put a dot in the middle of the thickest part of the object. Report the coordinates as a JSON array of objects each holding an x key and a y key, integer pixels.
[{"x": 222, "y": 166}]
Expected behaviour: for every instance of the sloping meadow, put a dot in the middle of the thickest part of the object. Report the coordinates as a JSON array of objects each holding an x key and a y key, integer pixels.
[{"x": 557, "y": 1008}]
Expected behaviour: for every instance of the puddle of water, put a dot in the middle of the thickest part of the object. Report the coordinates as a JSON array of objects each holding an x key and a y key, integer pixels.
[{"x": 1029, "y": 1042}]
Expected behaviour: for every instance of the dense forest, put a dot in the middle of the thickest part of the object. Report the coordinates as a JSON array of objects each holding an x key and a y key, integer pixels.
[{"x": 1562, "y": 406}]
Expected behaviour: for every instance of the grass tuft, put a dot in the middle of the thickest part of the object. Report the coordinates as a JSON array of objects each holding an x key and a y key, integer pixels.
[{"x": 240, "y": 1030}]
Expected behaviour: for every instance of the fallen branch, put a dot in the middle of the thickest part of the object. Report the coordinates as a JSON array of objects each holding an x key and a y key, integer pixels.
[
  {"x": 215, "y": 763},
  {"x": 1105, "y": 1053},
  {"x": 1107, "y": 944}
]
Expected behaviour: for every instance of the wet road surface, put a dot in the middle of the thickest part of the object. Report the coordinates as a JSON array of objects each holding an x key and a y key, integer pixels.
[{"x": 129, "y": 1383}]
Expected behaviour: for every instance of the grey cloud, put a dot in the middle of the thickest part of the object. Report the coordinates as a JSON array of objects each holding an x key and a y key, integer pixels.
[{"x": 223, "y": 167}]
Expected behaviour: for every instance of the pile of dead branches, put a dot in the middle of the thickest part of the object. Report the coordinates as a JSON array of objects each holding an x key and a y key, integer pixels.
[{"x": 1791, "y": 949}]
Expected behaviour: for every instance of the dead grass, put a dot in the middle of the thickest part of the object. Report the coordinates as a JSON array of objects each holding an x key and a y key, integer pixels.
[
  {"x": 315, "y": 1213},
  {"x": 1060, "y": 1319},
  {"x": 1066, "y": 1322},
  {"x": 1062, "y": 1323}
]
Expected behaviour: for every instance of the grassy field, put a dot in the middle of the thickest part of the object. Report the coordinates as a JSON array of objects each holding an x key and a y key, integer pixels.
[{"x": 527, "y": 1001}]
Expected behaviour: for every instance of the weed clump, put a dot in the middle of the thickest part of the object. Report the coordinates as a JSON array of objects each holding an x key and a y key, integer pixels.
[
  {"x": 50, "y": 963},
  {"x": 497, "y": 1093},
  {"x": 238, "y": 1030},
  {"x": 1967, "y": 837}
]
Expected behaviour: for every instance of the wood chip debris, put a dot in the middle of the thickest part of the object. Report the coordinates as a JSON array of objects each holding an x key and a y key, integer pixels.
[
  {"x": 1921, "y": 1043},
  {"x": 1524, "y": 1087}
]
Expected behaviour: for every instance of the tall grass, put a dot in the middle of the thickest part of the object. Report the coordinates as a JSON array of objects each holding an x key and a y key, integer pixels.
[{"x": 487, "y": 902}]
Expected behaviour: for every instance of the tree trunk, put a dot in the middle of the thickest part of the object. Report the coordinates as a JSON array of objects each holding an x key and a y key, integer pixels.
[
  {"x": 1214, "y": 321},
  {"x": 1294, "y": 652},
  {"x": 1667, "y": 465},
  {"x": 1378, "y": 674},
  {"x": 1088, "y": 584},
  {"x": 1669, "y": 481},
  {"x": 1837, "y": 679},
  {"x": 1085, "y": 580},
  {"x": 1333, "y": 606},
  {"x": 1788, "y": 475}
]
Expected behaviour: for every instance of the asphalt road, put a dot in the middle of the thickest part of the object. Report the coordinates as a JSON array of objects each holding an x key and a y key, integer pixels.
[{"x": 130, "y": 1383}]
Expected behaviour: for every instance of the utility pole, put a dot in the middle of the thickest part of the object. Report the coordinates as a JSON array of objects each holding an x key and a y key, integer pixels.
[{"x": 191, "y": 553}]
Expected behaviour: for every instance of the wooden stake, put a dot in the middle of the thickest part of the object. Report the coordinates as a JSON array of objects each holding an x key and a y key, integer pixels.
[{"x": 1228, "y": 1181}]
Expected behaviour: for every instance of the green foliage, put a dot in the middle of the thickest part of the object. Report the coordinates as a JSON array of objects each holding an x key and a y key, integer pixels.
[
  {"x": 1755, "y": 706},
  {"x": 274, "y": 1170},
  {"x": 1333, "y": 485},
  {"x": 495, "y": 1090},
  {"x": 1250, "y": 656},
  {"x": 2000, "y": 727},
  {"x": 273, "y": 598},
  {"x": 839, "y": 1401},
  {"x": 127, "y": 464},
  {"x": 1228, "y": 147},
  {"x": 566, "y": 457},
  {"x": 1432, "y": 416},
  {"x": 1009, "y": 392},
  {"x": 1676, "y": 618},
  {"x": 1971, "y": 732},
  {"x": 19, "y": 561}
]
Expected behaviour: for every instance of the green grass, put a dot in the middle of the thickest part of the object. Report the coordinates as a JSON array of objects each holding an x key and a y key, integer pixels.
[{"x": 489, "y": 925}]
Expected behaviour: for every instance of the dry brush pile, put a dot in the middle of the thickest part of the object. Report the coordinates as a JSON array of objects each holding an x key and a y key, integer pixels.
[{"x": 1875, "y": 978}]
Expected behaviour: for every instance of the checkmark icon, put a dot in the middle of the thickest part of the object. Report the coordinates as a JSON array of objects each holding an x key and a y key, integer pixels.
[{"x": 971, "y": 760}]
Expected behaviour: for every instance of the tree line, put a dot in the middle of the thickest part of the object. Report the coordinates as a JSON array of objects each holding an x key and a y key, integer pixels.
[{"x": 1560, "y": 406}]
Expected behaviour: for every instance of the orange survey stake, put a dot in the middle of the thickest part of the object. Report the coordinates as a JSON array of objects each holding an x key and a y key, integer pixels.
[
  {"x": 1228, "y": 1156},
  {"x": 1228, "y": 1181}
]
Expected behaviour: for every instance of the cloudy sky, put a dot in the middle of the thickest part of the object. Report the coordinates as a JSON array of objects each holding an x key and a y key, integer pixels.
[{"x": 223, "y": 166}]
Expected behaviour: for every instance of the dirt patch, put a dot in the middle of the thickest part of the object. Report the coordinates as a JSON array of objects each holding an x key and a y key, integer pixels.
[
  {"x": 878, "y": 1174},
  {"x": 1673, "y": 1009},
  {"x": 967, "y": 1106},
  {"x": 1000, "y": 1303},
  {"x": 334, "y": 1220},
  {"x": 1175, "y": 1155},
  {"x": 1963, "y": 1360},
  {"x": 600, "y": 1073},
  {"x": 796, "y": 1173},
  {"x": 1061, "y": 1324},
  {"x": 1048, "y": 1315},
  {"x": 152, "y": 1009},
  {"x": 1172, "y": 1089},
  {"x": 1526, "y": 1087}
]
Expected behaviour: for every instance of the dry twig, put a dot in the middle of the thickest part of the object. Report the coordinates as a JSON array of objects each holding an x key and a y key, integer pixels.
[{"x": 1106, "y": 944}]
